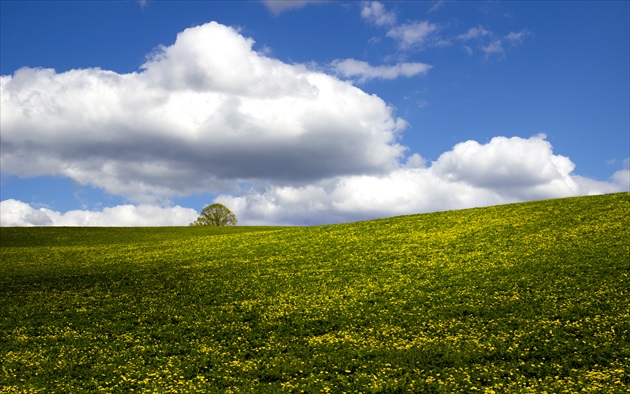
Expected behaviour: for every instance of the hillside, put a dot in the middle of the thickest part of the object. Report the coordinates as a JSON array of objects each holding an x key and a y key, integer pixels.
[{"x": 527, "y": 297}]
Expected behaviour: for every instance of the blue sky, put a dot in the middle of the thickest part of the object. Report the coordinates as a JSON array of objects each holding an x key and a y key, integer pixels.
[{"x": 141, "y": 113}]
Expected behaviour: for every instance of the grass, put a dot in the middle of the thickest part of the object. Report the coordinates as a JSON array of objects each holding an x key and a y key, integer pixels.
[{"x": 529, "y": 297}]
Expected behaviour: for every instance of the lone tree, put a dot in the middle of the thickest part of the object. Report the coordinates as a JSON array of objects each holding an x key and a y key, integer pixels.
[{"x": 215, "y": 215}]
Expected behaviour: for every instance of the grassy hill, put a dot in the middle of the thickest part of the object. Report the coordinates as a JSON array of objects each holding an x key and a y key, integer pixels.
[{"x": 526, "y": 297}]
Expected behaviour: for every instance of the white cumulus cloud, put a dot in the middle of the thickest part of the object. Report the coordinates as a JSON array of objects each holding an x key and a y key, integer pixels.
[
  {"x": 506, "y": 164},
  {"x": 502, "y": 171},
  {"x": 17, "y": 213},
  {"x": 205, "y": 113},
  {"x": 471, "y": 174}
]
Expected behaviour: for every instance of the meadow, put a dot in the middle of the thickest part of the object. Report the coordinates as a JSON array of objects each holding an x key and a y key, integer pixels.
[{"x": 519, "y": 298}]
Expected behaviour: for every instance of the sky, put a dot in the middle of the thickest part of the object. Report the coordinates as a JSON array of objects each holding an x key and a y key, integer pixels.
[{"x": 140, "y": 113}]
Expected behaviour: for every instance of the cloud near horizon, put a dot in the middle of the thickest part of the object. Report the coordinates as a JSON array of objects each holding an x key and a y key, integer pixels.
[
  {"x": 18, "y": 213},
  {"x": 505, "y": 170}
]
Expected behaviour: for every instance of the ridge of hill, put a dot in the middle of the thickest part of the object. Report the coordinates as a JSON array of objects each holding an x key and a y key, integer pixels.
[{"x": 526, "y": 297}]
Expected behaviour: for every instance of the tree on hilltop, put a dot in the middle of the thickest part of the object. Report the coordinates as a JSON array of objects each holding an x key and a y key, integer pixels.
[{"x": 215, "y": 215}]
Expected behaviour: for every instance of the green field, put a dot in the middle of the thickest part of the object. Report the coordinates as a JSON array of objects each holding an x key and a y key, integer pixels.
[{"x": 517, "y": 298}]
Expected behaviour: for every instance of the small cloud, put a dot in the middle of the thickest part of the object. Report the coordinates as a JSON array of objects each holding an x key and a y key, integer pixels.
[
  {"x": 422, "y": 103},
  {"x": 478, "y": 34},
  {"x": 277, "y": 7},
  {"x": 374, "y": 40},
  {"x": 474, "y": 33},
  {"x": 362, "y": 71},
  {"x": 494, "y": 9},
  {"x": 437, "y": 5},
  {"x": 374, "y": 12},
  {"x": 488, "y": 42},
  {"x": 413, "y": 35},
  {"x": 516, "y": 38},
  {"x": 493, "y": 48},
  {"x": 266, "y": 50}
]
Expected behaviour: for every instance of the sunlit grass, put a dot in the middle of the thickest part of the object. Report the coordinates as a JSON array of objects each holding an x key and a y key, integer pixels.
[{"x": 519, "y": 298}]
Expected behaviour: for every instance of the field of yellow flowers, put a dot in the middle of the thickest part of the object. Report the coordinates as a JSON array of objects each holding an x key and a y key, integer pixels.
[{"x": 521, "y": 298}]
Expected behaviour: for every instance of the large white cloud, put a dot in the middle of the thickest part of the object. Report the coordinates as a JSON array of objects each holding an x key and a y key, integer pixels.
[
  {"x": 206, "y": 113},
  {"x": 17, "y": 213},
  {"x": 502, "y": 171}
]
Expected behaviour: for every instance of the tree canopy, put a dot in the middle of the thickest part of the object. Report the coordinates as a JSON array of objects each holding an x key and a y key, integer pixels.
[{"x": 215, "y": 215}]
